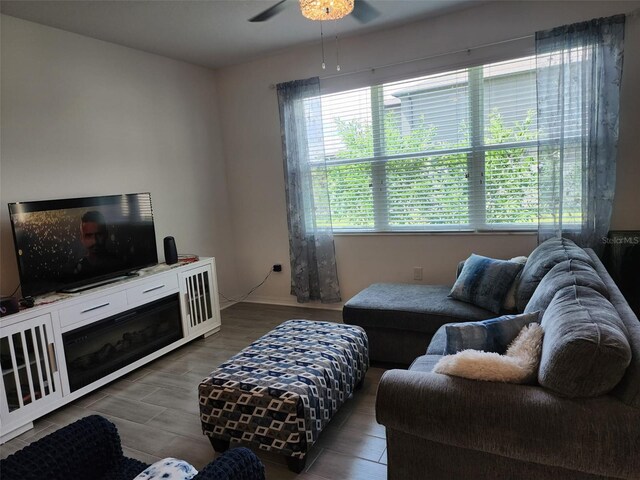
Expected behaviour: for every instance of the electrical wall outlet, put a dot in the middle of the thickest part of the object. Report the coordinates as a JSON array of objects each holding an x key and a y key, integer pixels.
[
  {"x": 417, "y": 273},
  {"x": 277, "y": 267}
]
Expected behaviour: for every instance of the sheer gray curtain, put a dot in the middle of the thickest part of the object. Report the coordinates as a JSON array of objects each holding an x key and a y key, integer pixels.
[
  {"x": 311, "y": 248},
  {"x": 579, "y": 68}
]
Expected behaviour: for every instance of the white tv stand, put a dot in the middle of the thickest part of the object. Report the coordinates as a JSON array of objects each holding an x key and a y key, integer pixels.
[
  {"x": 91, "y": 286},
  {"x": 35, "y": 377}
]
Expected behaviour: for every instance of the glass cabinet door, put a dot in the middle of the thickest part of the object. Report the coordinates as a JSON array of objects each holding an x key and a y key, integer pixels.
[
  {"x": 30, "y": 374},
  {"x": 199, "y": 296}
]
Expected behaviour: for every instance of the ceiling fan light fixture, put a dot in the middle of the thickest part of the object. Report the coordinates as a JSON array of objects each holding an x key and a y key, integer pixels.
[{"x": 326, "y": 9}]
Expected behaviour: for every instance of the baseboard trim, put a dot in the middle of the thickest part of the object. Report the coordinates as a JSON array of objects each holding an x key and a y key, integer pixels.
[
  {"x": 294, "y": 303},
  {"x": 222, "y": 307}
]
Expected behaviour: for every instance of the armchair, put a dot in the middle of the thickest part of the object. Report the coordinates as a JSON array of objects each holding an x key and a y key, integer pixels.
[{"x": 90, "y": 449}]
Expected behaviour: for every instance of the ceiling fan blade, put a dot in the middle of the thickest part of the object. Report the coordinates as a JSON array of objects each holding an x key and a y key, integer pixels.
[
  {"x": 269, "y": 12},
  {"x": 364, "y": 12}
]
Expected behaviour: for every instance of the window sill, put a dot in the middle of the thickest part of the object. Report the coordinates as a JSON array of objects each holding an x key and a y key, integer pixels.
[{"x": 440, "y": 233}]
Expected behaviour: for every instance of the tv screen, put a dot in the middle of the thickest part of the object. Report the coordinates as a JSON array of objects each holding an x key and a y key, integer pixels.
[{"x": 68, "y": 243}]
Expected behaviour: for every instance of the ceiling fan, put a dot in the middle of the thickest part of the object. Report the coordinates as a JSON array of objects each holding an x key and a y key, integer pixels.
[{"x": 362, "y": 10}]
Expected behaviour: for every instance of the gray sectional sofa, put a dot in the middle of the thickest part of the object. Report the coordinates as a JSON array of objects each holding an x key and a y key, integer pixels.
[
  {"x": 581, "y": 420},
  {"x": 400, "y": 319}
]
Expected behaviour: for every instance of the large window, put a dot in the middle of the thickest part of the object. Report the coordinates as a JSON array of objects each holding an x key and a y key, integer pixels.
[{"x": 452, "y": 151}]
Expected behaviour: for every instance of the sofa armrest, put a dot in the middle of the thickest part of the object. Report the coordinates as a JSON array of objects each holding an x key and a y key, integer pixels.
[
  {"x": 598, "y": 435},
  {"x": 235, "y": 464}
]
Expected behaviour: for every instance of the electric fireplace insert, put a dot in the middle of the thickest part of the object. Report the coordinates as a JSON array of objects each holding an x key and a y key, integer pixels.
[{"x": 105, "y": 346}]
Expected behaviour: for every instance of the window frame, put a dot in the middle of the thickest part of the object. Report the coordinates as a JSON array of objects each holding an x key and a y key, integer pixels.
[{"x": 476, "y": 160}]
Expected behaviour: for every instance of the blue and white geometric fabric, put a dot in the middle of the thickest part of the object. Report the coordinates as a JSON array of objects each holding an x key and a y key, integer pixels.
[
  {"x": 281, "y": 391},
  {"x": 168, "y": 469}
]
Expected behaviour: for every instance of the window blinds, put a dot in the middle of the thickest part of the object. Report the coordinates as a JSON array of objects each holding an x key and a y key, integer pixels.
[{"x": 451, "y": 151}]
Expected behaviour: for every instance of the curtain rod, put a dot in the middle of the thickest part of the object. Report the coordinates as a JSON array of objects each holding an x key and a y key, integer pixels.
[
  {"x": 429, "y": 57},
  {"x": 404, "y": 62}
]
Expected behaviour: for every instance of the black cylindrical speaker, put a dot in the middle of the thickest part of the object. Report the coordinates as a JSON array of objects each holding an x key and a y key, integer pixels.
[{"x": 170, "y": 252}]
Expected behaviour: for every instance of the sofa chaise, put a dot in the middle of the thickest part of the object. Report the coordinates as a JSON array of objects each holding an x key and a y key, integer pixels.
[{"x": 400, "y": 319}]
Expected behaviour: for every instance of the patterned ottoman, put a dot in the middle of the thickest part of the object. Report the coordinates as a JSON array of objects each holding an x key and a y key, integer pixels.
[{"x": 281, "y": 391}]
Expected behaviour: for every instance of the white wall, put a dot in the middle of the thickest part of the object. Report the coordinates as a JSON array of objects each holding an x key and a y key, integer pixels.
[
  {"x": 251, "y": 136},
  {"x": 74, "y": 107},
  {"x": 82, "y": 117}
]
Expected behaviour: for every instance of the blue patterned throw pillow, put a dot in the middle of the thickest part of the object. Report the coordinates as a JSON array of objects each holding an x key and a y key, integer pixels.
[
  {"x": 493, "y": 335},
  {"x": 168, "y": 469},
  {"x": 485, "y": 282}
]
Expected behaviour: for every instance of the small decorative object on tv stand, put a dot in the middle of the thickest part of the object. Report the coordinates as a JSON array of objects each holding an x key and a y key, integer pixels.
[{"x": 69, "y": 345}]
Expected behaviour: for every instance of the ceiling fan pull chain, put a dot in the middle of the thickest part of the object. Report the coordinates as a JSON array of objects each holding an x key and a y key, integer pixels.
[
  {"x": 337, "y": 48},
  {"x": 324, "y": 66}
]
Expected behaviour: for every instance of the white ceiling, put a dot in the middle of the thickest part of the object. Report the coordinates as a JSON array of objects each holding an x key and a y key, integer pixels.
[{"x": 212, "y": 33}]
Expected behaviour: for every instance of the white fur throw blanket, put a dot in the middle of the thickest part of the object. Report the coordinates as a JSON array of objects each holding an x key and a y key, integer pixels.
[{"x": 518, "y": 365}]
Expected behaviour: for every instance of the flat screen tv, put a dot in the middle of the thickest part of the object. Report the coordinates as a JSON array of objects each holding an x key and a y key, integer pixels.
[{"x": 69, "y": 244}]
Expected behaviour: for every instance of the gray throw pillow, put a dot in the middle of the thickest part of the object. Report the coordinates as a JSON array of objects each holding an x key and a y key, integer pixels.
[
  {"x": 509, "y": 304},
  {"x": 485, "y": 282},
  {"x": 565, "y": 274},
  {"x": 493, "y": 335},
  {"x": 585, "y": 351}
]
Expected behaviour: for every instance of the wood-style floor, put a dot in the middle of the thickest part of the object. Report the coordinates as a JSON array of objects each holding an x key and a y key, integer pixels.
[{"x": 156, "y": 407}]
